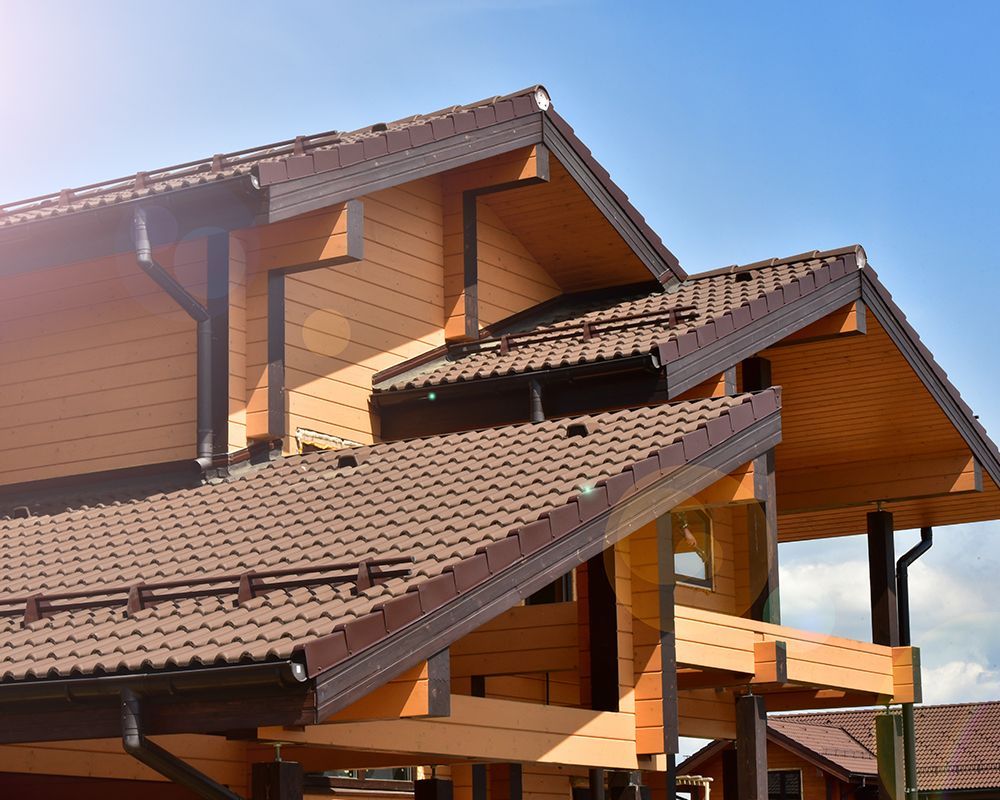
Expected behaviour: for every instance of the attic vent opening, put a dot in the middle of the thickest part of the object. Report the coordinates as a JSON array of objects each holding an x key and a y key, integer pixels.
[
  {"x": 379, "y": 127},
  {"x": 577, "y": 429},
  {"x": 21, "y": 512},
  {"x": 347, "y": 460},
  {"x": 744, "y": 277}
]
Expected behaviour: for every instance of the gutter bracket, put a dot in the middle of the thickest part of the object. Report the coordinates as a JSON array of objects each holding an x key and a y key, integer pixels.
[{"x": 156, "y": 758}]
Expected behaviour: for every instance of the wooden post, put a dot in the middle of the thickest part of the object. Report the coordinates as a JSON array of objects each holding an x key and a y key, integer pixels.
[
  {"x": 432, "y": 789},
  {"x": 730, "y": 780},
  {"x": 762, "y": 533},
  {"x": 882, "y": 574},
  {"x": 602, "y": 612},
  {"x": 889, "y": 754},
  {"x": 480, "y": 777},
  {"x": 596, "y": 777},
  {"x": 277, "y": 780},
  {"x": 751, "y": 747},
  {"x": 668, "y": 643},
  {"x": 756, "y": 374}
]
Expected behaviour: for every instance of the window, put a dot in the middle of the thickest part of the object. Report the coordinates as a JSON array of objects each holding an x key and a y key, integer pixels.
[
  {"x": 559, "y": 591},
  {"x": 692, "y": 535},
  {"x": 785, "y": 784}
]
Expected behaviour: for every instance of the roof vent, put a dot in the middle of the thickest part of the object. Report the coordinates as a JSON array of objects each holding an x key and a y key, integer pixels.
[
  {"x": 577, "y": 429},
  {"x": 744, "y": 277},
  {"x": 21, "y": 512},
  {"x": 379, "y": 127},
  {"x": 347, "y": 460}
]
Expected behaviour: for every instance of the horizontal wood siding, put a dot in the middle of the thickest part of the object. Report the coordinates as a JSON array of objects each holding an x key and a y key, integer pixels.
[
  {"x": 224, "y": 761},
  {"x": 237, "y": 345},
  {"x": 344, "y": 323},
  {"x": 98, "y": 366}
]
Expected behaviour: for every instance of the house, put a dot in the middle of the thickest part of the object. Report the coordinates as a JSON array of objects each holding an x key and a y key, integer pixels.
[
  {"x": 822, "y": 755},
  {"x": 413, "y": 452}
]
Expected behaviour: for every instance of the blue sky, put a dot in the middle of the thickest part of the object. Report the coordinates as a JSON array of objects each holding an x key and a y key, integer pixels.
[{"x": 741, "y": 130}]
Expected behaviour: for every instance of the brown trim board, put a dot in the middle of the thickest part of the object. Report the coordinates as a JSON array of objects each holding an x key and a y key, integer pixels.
[
  {"x": 448, "y": 606},
  {"x": 612, "y": 201}
]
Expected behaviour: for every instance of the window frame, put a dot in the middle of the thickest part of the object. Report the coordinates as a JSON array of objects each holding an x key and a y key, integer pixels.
[
  {"x": 783, "y": 795},
  {"x": 707, "y": 583}
]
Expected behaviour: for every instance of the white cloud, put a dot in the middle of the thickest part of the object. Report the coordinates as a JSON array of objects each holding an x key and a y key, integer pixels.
[
  {"x": 954, "y": 614},
  {"x": 960, "y": 682}
]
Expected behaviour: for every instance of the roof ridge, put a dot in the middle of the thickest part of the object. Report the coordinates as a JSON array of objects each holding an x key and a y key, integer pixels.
[{"x": 809, "y": 255}]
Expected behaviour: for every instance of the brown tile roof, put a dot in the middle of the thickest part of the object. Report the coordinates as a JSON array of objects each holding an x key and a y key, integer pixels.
[
  {"x": 576, "y": 332},
  {"x": 437, "y": 500},
  {"x": 958, "y": 746},
  {"x": 829, "y": 742},
  {"x": 278, "y": 161}
]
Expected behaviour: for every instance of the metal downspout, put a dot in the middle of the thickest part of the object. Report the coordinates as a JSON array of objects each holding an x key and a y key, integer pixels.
[
  {"x": 158, "y": 759},
  {"x": 903, "y": 605},
  {"x": 195, "y": 310}
]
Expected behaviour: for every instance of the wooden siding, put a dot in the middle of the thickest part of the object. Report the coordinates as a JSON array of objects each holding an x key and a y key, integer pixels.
[
  {"x": 853, "y": 402},
  {"x": 406, "y": 695},
  {"x": 510, "y": 279},
  {"x": 225, "y": 761},
  {"x": 814, "y": 785},
  {"x": 237, "y": 344},
  {"x": 345, "y": 323},
  {"x": 508, "y": 731},
  {"x": 98, "y": 366},
  {"x": 560, "y": 225}
]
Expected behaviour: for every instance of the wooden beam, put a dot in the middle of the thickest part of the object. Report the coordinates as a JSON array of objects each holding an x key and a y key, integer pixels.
[
  {"x": 864, "y": 483},
  {"x": 882, "y": 578},
  {"x": 668, "y": 633},
  {"x": 906, "y": 680},
  {"x": 602, "y": 616},
  {"x": 751, "y": 747},
  {"x": 770, "y": 662},
  {"x": 849, "y": 320},
  {"x": 762, "y": 532},
  {"x": 485, "y": 729},
  {"x": 730, "y": 775},
  {"x": 805, "y": 699}
]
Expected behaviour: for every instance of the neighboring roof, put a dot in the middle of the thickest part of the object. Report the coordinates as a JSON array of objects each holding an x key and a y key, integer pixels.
[
  {"x": 829, "y": 742},
  {"x": 438, "y": 501},
  {"x": 958, "y": 745},
  {"x": 622, "y": 327}
]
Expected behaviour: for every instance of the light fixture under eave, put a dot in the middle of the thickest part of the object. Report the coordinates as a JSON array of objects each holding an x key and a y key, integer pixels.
[{"x": 542, "y": 98}]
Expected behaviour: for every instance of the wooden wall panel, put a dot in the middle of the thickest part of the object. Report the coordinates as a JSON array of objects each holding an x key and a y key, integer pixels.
[
  {"x": 510, "y": 279},
  {"x": 98, "y": 366},
  {"x": 237, "y": 345},
  {"x": 223, "y": 760},
  {"x": 344, "y": 323},
  {"x": 813, "y": 778}
]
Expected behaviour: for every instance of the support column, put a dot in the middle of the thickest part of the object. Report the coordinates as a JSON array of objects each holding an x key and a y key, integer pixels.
[
  {"x": 756, "y": 374},
  {"x": 882, "y": 574},
  {"x": 277, "y": 780},
  {"x": 730, "y": 779},
  {"x": 480, "y": 776},
  {"x": 596, "y": 777},
  {"x": 668, "y": 643},
  {"x": 217, "y": 303},
  {"x": 762, "y": 534},
  {"x": 432, "y": 789},
  {"x": 751, "y": 748},
  {"x": 602, "y": 612},
  {"x": 889, "y": 754}
]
